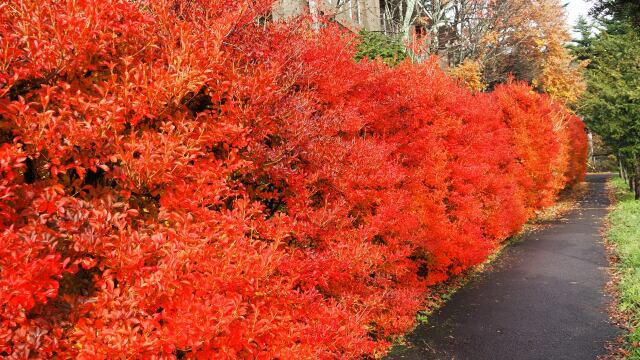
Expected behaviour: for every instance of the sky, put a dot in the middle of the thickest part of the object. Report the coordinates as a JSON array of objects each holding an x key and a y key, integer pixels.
[{"x": 575, "y": 8}]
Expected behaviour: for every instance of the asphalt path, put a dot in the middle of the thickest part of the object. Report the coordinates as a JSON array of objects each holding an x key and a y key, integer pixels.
[{"x": 544, "y": 297}]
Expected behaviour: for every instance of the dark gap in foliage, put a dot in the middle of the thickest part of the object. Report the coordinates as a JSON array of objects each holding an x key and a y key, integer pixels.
[
  {"x": 6, "y": 135},
  {"x": 79, "y": 283},
  {"x": 220, "y": 150},
  {"x": 357, "y": 217},
  {"x": 181, "y": 354},
  {"x": 23, "y": 87},
  {"x": 319, "y": 193},
  {"x": 267, "y": 191},
  {"x": 373, "y": 332},
  {"x": 421, "y": 258},
  {"x": 378, "y": 240},
  {"x": 273, "y": 141},
  {"x": 197, "y": 102},
  {"x": 147, "y": 203},
  {"x": 36, "y": 169},
  {"x": 94, "y": 178},
  {"x": 30, "y": 175},
  {"x": 306, "y": 243}
]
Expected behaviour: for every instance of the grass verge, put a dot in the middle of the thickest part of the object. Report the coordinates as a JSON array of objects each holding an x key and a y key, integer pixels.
[{"x": 623, "y": 238}]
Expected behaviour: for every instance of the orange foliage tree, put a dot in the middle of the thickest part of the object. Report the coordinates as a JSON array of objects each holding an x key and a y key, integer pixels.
[{"x": 182, "y": 179}]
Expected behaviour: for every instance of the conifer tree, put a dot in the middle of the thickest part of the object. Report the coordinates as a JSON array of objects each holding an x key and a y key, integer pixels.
[{"x": 612, "y": 101}]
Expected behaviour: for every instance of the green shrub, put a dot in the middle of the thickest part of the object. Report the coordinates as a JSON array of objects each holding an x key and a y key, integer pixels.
[{"x": 374, "y": 45}]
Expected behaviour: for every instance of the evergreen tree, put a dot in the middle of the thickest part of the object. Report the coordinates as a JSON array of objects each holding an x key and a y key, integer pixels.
[
  {"x": 581, "y": 46},
  {"x": 612, "y": 102},
  {"x": 621, "y": 10}
]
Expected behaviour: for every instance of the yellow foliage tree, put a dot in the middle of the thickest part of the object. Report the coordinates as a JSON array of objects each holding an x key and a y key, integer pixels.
[
  {"x": 469, "y": 73},
  {"x": 562, "y": 78},
  {"x": 560, "y": 75}
]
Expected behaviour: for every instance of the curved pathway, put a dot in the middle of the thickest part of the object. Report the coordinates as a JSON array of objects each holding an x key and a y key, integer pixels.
[{"x": 543, "y": 299}]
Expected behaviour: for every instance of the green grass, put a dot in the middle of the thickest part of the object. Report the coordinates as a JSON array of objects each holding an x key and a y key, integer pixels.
[{"x": 624, "y": 234}]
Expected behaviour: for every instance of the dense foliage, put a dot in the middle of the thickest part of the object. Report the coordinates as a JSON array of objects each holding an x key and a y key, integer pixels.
[
  {"x": 611, "y": 104},
  {"x": 185, "y": 179}
]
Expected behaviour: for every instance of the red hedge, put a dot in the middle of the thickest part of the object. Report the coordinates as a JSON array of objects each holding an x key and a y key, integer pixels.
[{"x": 180, "y": 178}]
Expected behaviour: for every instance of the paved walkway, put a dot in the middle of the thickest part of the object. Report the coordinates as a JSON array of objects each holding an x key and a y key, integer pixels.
[{"x": 543, "y": 299}]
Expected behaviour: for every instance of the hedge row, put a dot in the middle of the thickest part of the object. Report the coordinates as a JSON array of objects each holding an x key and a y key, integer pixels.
[{"x": 183, "y": 178}]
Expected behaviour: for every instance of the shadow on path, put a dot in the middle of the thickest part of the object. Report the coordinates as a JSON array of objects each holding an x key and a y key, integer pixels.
[{"x": 543, "y": 299}]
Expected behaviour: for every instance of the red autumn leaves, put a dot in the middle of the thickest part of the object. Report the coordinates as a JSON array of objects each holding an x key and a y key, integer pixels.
[{"x": 181, "y": 180}]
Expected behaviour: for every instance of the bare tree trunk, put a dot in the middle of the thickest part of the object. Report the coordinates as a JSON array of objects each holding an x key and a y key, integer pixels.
[
  {"x": 408, "y": 18},
  {"x": 623, "y": 170},
  {"x": 620, "y": 172},
  {"x": 636, "y": 172},
  {"x": 313, "y": 10},
  {"x": 591, "y": 152}
]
